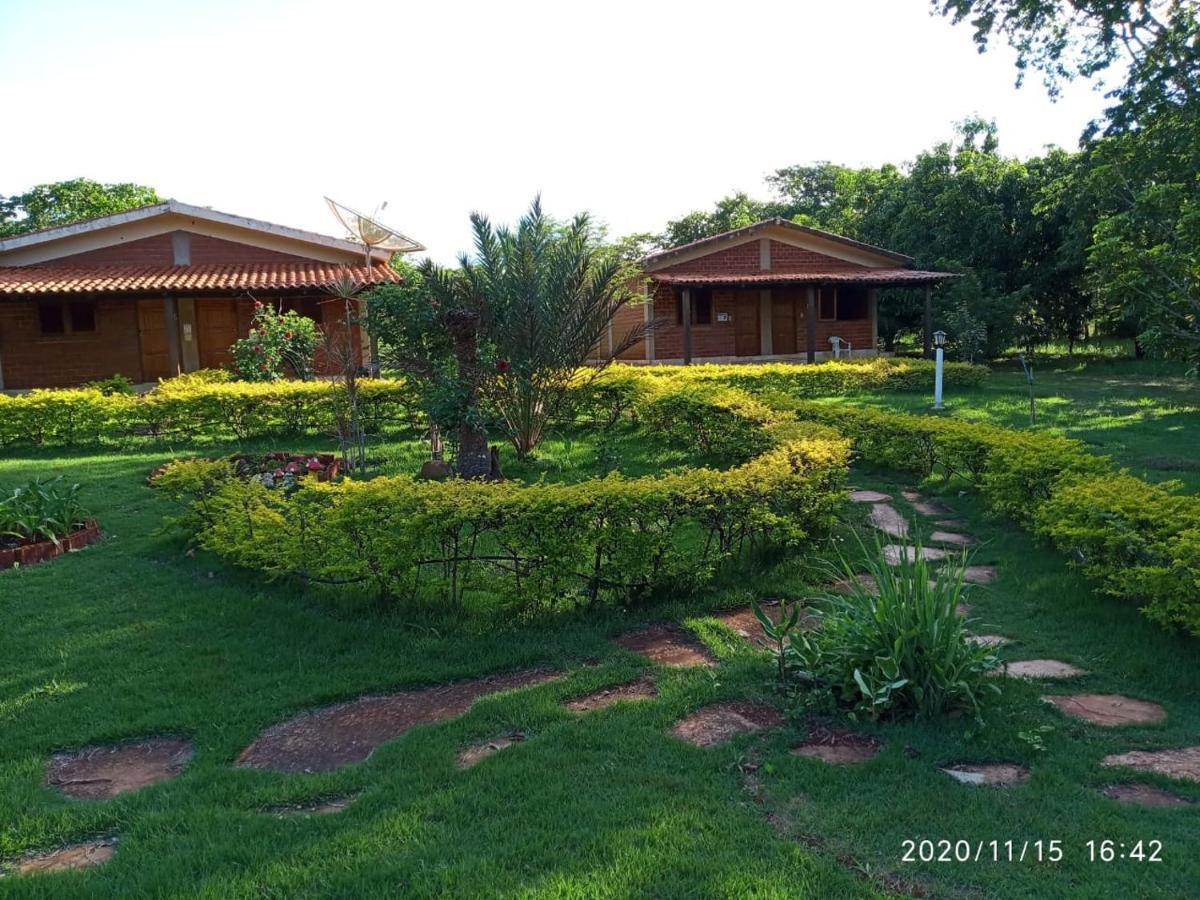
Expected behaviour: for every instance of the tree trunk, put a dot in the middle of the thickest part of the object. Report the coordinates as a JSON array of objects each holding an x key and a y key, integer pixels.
[
  {"x": 474, "y": 456},
  {"x": 1139, "y": 350}
]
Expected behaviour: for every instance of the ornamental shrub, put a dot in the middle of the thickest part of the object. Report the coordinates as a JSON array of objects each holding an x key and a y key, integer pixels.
[
  {"x": 613, "y": 539},
  {"x": 279, "y": 343}
]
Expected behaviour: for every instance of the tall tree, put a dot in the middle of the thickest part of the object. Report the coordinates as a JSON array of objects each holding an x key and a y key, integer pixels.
[{"x": 65, "y": 202}]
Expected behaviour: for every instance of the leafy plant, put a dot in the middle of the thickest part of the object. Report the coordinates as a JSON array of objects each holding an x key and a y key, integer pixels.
[
  {"x": 43, "y": 509},
  {"x": 278, "y": 342},
  {"x": 902, "y": 651},
  {"x": 114, "y": 384}
]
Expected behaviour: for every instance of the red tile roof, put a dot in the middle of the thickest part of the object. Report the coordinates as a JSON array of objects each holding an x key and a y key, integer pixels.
[
  {"x": 857, "y": 276},
  {"x": 270, "y": 276}
]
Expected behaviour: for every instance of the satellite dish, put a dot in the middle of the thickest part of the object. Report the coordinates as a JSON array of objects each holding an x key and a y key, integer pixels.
[{"x": 372, "y": 234}]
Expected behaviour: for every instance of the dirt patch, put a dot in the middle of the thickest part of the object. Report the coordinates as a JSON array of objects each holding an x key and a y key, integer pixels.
[
  {"x": 888, "y": 520},
  {"x": 988, "y": 773},
  {"x": 1183, "y": 762},
  {"x": 988, "y": 640},
  {"x": 76, "y": 856},
  {"x": 744, "y": 623},
  {"x": 100, "y": 772},
  {"x": 837, "y": 746},
  {"x": 641, "y": 689},
  {"x": 1143, "y": 795},
  {"x": 325, "y": 806},
  {"x": 869, "y": 497},
  {"x": 958, "y": 539},
  {"x": 345, "y": 733},
  {"x": 1108, "y": 709},
  {"x": 476, "y": 753},
  {"x": 1040, "y": 668},
  {"x": 666, "y": 646},
  {"x": 719, "y": 723},
  {"x": 980, "y": 574},
  {"x": 893, "y": 553}
]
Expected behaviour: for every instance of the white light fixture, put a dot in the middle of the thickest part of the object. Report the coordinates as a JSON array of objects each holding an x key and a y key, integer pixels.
[{"x": 939, "y": 341}]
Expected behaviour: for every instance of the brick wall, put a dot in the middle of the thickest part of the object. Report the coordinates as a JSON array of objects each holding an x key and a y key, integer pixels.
[
  {"x": 157, "y": 251},
  {"x": 206, "y": 250},
  {"x": 27, "y": 359},
  {"x": 786, "y": 258},
  {"x": 740, "y": 260}
]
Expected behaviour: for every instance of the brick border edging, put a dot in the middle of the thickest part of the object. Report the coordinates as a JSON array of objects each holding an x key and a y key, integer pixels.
[{"x": 44, "y": 551}]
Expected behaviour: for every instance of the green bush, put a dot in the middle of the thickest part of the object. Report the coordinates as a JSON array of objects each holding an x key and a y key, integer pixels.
[
  {"x": 194, "y": 407},
  {"x": 614, "y": 539},
  {"x": 899, "y": 650}
]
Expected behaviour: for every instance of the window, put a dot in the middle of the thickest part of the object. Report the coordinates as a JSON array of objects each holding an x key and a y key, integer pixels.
[
  {"x": 851, "y": 304},
  {"x": 827, "y": 304},
  {"x": 702, "y": 306},
  {"x": 51, "y": 319},
  {"x": 66, "y": 317}
]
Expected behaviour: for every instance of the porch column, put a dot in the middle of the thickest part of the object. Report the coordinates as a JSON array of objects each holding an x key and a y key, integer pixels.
[
  {"x": 810, "y": 317},
  {"x": 686, "y": 304},
  {"x": 171, "y": 324},
  {"x": 928, "y": 321},
  {"x": 766, "y": 345},
  {"x": 649, "y": 310},
  {"x": 873, "y": 311},
  {"x": 189, "y": 329}
]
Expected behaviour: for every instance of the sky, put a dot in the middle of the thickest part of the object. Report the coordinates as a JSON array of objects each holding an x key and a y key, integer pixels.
[{"x": 637, "y": 112}]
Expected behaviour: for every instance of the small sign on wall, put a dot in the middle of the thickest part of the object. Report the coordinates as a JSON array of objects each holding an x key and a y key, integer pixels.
[{"x": 723, "y": 317}]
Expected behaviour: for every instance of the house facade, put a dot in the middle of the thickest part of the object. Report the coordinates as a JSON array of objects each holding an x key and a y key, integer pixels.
[
  {"x": 156, "y": 291},
  {"x": 774, "y": 290}
]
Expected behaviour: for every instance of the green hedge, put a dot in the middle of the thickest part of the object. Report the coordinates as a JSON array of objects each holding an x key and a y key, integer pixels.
[
  {"x": 1140, "y": 541},
  {"x": 614, "y": 539},
  {"x": 194, "y": 409}
]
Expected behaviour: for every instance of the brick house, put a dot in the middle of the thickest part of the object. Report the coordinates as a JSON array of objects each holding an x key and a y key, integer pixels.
[
  {"x": 774, "y": 290},
  {"x": 159, "y": 290}
]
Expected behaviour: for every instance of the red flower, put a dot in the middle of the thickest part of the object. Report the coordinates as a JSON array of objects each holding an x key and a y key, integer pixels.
[
  {"x": 502, "y": 365},
  {"x": 288, "y": 335},
  {"x": 314, "y": 465},
  {"x": 278, "y": 473}
]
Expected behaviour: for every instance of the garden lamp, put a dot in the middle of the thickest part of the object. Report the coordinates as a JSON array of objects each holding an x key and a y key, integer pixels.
[{"x": 939, "y": 341}]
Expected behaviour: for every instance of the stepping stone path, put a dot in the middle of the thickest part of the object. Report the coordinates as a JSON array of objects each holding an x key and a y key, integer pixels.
[
  {"x": 349, "y": 732},
  {"x": 719, "y": 723},
  {"x": 980, "y": 574},
  {"x": 868, "y": 583},
  {"x": 888, "y": 520},
  {"x": 869, "y": 497},
  {"x": 1108, "y": 709},
  {"x": 837, "y": 746},
  {"x": 477, "y": 753},
  {"x": 326, "y": 807},
  {"x": 1143, "y": 795},
  {"x": 642, "y": 689},
  {"x": 893, "y": 553},
  {"x": 745, "y": 623},
  {"x": 988, "y": 773},
  {"x": 1183, "y": 763},
  {"x": 988, "y": 640},
  {"x": 951, "y": 524},
  {"x": 666, "y": 646},
  {"x": 101, "y": 772},
  {"x": 956, "y": 538},
  {"x": 1040, "y": 668},
  {"x": 963, "y": 609},
  {"x": 76, "y": 856},
  {"x": 926, "y": 507}
]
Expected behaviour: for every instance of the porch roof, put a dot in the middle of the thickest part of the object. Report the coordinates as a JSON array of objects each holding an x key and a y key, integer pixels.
[
  {"x": 873, "y": 277},
  {"x": 272, "y": 276}
]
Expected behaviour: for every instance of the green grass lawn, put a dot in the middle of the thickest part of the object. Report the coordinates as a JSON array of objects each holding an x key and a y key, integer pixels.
[
  {"x": 136, "y": 637},
  {"x": 1144, "y": 414}
]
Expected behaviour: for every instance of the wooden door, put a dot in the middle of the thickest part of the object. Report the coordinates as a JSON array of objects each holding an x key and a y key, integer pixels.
[
  {"x": 747, "y": 338},
  {"x": 217, "y": 329},
  {"x": 152, "y": 336},
  {"x": 783, "y": 322}
]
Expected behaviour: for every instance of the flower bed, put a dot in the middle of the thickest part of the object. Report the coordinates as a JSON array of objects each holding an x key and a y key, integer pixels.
[{"x": 29, "y": 551}]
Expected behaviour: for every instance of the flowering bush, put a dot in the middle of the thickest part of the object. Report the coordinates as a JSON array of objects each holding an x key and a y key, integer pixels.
[{"x": 278, "y": 342}]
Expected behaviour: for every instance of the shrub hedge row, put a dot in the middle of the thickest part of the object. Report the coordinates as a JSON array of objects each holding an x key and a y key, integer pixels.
[
  {"x": 193, "y": 409},
  {"x": 1139, "y": 541},
  {"x": 615, "y": 539},
  {"x": 198, "y": 408}
]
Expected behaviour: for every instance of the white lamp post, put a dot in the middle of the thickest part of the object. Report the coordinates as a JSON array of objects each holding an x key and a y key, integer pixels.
[{"x": 939, "y": 341}]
